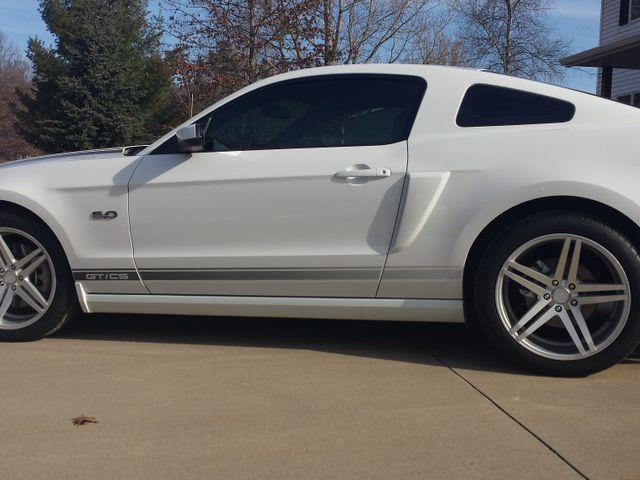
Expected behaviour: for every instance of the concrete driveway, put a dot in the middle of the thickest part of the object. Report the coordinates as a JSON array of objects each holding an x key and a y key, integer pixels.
[{"x": 204, "y": 398}]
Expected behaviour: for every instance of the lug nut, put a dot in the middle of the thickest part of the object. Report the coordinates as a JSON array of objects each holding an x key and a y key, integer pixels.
[
  {"x": 13, "y": 288},
  {"x": 13, "y": 267},
  {"x": 555, "y": 283},
  {"x": 1, "y": 284},
  {"x": 558, "y": 308},
  {"x": 21, "y": 278},
  {"x": 574, "y": 302},
  {"x": 572, "y": 287},
  {"x": 547, "y": 296},
  {"x": 1, "y": 270}
]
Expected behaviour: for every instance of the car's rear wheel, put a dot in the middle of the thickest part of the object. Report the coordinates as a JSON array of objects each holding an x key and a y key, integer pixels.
[
  {"x": 35, "y": 282},
  {"x": 559, "y": 294}
]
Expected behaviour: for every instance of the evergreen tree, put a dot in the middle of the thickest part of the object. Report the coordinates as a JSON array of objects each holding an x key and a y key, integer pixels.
[{"x": 102, "y": 84}]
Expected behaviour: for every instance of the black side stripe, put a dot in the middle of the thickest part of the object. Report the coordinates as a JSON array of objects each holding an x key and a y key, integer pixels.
[
  {"x": 268, "y": 274},
  {"x": 261, "y": 274}
]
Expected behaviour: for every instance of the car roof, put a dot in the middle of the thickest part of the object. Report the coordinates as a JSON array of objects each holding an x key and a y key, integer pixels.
[
  {"x": 442, "y": 74},
  {"x": 379, "y": 68},
  {"x": 462, "y": 77}
]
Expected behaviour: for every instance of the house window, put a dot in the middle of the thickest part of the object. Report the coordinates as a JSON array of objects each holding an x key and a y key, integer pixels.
[
  {"x": 634, "y": 11},
  {"x": 631, "y": 99},
  {"x": 629, "y": 10}
]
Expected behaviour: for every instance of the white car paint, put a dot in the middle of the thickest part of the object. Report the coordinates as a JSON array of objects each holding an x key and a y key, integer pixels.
[
  {"x": 266, "y": 210},
  {"x": 269, "y": 209}
]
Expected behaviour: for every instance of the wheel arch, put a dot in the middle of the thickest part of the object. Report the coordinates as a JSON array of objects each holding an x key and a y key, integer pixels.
[
  {"x": 572, "y": 204},
  {"x": 7, "y": 206}
]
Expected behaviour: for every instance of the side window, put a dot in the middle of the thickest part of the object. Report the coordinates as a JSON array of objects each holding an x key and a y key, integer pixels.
[
  {"x": 338, "y": 111},
  {"x": 490, "y": 106}
]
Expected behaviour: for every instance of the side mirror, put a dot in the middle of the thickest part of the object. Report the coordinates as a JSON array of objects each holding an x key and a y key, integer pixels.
[{"x": 191, "y": 138}]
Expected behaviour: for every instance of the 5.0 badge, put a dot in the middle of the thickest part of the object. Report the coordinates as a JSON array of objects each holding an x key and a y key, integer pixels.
[{"x": 110, "y": 215}]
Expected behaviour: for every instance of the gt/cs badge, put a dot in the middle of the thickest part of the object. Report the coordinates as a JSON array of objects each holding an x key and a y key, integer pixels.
[
  {"x": 106, "y": 276},
  {"x": 110, "y": 215}
]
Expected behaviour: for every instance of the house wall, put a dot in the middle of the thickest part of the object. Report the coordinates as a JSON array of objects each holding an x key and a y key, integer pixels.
[
  {"x": 610, "y": 31},
  {"x": 625, "y": 82}
]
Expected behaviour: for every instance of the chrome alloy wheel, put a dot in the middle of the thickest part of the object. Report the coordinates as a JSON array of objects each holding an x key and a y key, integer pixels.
[
  {"x": 563, "y": 297},
  {"x": 27, "y": 279}
]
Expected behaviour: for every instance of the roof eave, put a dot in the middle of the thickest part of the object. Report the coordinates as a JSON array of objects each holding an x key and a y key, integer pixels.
[{"x": 621, "y": 54}]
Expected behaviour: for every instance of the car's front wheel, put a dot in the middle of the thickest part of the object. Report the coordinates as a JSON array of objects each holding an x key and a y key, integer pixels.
[
  {"x": 559, "y": 294},
  {"x": 35, "y": 281}
]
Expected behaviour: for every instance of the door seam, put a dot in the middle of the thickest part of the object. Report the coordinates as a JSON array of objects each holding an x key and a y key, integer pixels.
[{"x": 396, "y": 223}]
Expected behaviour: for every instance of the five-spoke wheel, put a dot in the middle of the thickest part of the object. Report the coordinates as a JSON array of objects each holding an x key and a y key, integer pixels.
[
  {"x": 27, "y": 279},
  {"x": 563, "y": 296},
  {"x": 35, "y": 280}
]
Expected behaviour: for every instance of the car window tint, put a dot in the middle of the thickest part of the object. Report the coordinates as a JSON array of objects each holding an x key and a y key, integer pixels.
[
  {"x": 329, "y": 112},
  {"x": 487, "y": 106}
]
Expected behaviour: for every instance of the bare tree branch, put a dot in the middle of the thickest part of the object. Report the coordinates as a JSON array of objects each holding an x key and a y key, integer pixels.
[{"x": 511, "y": 37}]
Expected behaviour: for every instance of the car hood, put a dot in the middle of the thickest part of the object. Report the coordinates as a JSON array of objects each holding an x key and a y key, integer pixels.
[
  {"x": 37, "y": 178},
  {"x": 69, "y": 156}
]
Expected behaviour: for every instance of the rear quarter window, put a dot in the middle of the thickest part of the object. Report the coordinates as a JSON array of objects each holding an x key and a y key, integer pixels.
[{"x": 491, "y": 106}]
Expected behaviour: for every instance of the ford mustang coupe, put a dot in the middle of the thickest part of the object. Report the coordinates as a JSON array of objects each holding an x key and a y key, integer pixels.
[{"x": 374, "y": 192}]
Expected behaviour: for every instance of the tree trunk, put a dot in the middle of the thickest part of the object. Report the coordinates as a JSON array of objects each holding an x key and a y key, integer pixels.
[
  {"x": 252, "y": 58},
  {"x": 506, "y": 61},
  {"x": 329, "y": 45}
]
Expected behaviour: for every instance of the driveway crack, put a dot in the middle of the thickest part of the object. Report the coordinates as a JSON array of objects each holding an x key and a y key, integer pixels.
[{"x": 513, "y": 418}]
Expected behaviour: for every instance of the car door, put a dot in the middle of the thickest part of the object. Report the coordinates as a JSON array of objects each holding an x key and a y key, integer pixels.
[{"x": 296, "y": 193}]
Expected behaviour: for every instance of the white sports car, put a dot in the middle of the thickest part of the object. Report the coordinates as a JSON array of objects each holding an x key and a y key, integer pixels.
[{"x": 357, "y": 192}]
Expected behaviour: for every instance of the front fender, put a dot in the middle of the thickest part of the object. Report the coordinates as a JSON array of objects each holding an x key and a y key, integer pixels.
[{"x": 64, "y": 192}]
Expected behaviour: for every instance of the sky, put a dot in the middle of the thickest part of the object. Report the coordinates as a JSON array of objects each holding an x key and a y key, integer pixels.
[{"x": 577, "y": 20}]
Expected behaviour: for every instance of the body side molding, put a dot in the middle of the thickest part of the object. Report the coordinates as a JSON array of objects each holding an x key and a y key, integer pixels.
[{"x": 446, "y": 311}]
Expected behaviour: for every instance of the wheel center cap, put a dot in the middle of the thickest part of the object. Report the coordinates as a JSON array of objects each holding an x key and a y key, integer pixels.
[
  {"x": 561, "y": 295},
  {"x": 10, "y": 278}
]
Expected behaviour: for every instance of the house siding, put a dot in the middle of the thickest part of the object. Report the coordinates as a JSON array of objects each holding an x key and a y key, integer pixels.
[
  {"x": 610, "y": 30},
  {"x": 625, "y": 82}
]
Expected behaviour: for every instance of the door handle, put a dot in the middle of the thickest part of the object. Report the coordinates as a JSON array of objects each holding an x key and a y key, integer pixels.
[{"x": 364, "y": 173}]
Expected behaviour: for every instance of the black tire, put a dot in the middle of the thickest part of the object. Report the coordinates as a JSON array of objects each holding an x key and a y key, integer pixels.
[
  {"x": 62, "y": 305},
  {"x": 486, "y": 297}
]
